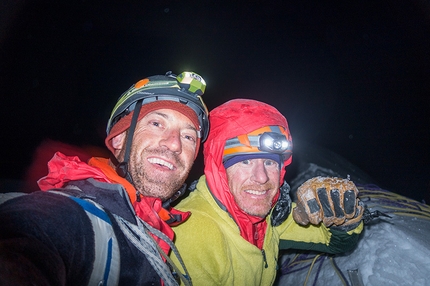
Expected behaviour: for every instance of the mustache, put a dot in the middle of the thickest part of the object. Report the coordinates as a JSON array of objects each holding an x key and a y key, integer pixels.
[{"x": 257, "y": 187}]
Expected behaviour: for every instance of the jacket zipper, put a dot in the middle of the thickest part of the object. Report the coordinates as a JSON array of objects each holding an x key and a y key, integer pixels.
[{"x": 264, "y": 258}]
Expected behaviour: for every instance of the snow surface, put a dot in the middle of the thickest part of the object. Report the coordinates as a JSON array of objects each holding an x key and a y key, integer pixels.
[{"x": 391, "y": 251}]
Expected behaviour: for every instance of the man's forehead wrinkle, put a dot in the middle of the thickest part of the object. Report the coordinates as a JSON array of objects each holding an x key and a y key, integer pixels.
[{"x": 167, "y": 116}]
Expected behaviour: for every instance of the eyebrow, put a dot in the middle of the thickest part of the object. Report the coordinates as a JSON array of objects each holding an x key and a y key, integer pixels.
[{"x": 166, "y": 116}]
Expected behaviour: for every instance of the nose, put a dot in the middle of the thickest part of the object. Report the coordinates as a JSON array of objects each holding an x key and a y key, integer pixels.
[
  {"x": 172, "y": 141},
  {"x": 259, "y": 172}
]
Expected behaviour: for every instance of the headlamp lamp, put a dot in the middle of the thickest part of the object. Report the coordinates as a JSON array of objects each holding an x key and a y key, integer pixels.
[{"x": 273, "y": 142}]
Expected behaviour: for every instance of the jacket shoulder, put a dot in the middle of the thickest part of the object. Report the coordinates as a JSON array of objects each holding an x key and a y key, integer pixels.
[{"x": 52, "y": 226}]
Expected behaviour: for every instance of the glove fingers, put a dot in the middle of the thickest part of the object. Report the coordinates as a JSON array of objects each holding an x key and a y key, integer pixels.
[
  {"x": 358, "y": 215},
  {"x": 330, "y": 200},
  {"x": 332, "y": 209},
  {"x": 349, "y": 203},
  {"x": 326, "y": 206},
  {"x": 310, "y": 206}
]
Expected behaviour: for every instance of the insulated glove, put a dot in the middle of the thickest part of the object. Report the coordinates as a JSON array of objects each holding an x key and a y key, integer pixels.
[{"x": 330, "y": 200}]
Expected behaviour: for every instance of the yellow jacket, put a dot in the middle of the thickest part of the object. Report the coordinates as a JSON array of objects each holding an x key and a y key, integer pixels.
[{"x": 215, "y": 253}]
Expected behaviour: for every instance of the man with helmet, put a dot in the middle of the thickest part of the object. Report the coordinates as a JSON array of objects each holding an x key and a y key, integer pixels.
[
  {"x": 106, "y": 222},
  {"x": 240, "y": 208}
]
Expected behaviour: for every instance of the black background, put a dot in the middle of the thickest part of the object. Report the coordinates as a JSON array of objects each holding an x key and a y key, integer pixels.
[{"x": 351, "y": 76}]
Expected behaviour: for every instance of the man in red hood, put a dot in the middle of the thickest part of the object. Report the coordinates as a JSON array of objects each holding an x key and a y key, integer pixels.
[
  {"x": 105, "y": 222},
  {"x": 240, "y": 208}
]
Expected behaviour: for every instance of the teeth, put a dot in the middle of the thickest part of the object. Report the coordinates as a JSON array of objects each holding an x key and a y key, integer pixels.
[
  {"x": 256, "y": 192},
  {"x": 160, "y": 162}
]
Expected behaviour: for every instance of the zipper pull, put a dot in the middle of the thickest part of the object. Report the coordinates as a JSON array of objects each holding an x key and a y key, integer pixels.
[
  {"x": 264, "y": 258},
  {"x": 137, "y": 196}
]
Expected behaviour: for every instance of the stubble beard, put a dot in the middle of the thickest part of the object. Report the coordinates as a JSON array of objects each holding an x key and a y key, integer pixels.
[
  {"x": 151, "y": 185},
  {"x": 258, "y": 209}
]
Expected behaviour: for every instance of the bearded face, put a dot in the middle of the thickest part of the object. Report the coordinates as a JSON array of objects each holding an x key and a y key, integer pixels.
[
  {"x": 162, "y": 152},
  {"x": 254, "y": 184},
  {"x": 160, "y": 175}
]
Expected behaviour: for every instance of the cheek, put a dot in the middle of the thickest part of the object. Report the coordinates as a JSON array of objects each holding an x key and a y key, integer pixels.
[
  {"x": 235, "y": 182},
  {"x": 143, "y": 140},
  {"x": 236, "y": 173},
  {"x": 188, "y": 154},
  {"x": 275, "y": 180},
  {"x": 274, "y": 176}
]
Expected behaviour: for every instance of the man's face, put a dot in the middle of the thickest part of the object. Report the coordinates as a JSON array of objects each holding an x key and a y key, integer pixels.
[
  {"x": 162, "y": 152},
  {"x": 254, "y": 183}
]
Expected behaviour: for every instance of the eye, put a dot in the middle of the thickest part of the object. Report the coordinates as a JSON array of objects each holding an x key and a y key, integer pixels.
[
  {"x": 269, "y": 162},
  {"x": 155, "y": 123},
  {"x": 190, "y": 138},
  {"x": 246, "y": 162}
]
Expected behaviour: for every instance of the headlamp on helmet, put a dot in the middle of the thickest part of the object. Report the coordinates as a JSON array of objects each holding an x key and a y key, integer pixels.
[
  {"x": 186, "y": 88},
  {"x": 192, "y": 82}
]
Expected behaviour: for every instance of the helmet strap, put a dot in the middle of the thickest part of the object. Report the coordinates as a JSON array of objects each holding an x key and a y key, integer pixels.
[{"x": 122, "y": 168}]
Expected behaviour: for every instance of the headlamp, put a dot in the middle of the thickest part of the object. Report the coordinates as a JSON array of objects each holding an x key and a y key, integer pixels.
[
  {"x": 192, "y": 82},
  {"x": 186, "y": 88},
  {"x": 267, "y": 139},
  {"x": 273, "y": 142}
]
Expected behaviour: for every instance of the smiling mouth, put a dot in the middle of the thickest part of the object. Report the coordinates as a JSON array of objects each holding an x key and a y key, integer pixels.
[
  {"x": 258, "y": 193},
  {"x": 160, "y": 162}
]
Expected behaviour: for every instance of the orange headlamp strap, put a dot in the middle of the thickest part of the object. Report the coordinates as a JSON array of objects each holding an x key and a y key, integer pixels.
[{"x": 249, "y": 143}]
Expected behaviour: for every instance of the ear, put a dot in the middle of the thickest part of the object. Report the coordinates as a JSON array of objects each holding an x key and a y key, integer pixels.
[{"x": 118, "y": 142}]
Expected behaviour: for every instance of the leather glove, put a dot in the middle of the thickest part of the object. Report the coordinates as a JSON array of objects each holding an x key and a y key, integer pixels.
[{"x": 330, "y": 200}]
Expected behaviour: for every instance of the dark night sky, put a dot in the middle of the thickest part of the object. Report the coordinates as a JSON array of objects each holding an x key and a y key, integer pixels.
[{"x": 351, "y": 76}]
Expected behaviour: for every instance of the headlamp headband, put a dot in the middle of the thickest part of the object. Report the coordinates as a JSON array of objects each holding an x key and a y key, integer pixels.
[{"x": 268, "y": 139}]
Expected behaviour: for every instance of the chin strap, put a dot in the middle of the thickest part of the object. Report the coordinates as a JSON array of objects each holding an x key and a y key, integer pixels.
[{"x": 122, "y": 168}]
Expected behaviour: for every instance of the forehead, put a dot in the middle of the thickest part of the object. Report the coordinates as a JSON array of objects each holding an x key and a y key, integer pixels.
[
  {"x": 173, "y": 116},
  {"x": 239, "y": 165},
  {"x": 244, "y": 171}
]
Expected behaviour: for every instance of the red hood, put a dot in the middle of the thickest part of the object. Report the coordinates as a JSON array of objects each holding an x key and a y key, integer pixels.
[{"x": 233, "y": 118}]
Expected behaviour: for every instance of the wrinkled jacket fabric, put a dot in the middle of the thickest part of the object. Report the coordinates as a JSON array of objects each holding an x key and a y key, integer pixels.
[
  {"x": 64, "y": 169},
  {"x": 48, "y": 238},
  {"x": 222, "y": 245}
]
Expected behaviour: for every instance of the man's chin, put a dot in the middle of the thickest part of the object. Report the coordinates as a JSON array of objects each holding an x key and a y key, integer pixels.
[
  {"x": 161, "y": 190},
  {"x": 257, "y": 213},
  {"x": 158, "y": 194}
]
